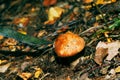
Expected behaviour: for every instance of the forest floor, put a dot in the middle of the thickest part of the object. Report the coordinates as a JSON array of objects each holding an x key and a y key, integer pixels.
[{"x": 29, "y": 28}]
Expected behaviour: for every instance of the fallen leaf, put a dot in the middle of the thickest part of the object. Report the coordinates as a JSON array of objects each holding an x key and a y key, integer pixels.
[
  {"x": 3, "y": 68},
  {"x": 2, "y": 61},
  {"x": 25, "y": 75},
  {"x": 100, "y": 54},
  {"x": 105, "y": 1},
  {"x": 41, "y": 33},
  {"x": 38, "y": 72},
  {"x": 117, "y": 70},
  {"x": 13, "y": 69},
  {"x": 24, "y": 65},
  {"x": 100, "y": 16},
  {"x": 99, "y": 1},
  {"x": 101, "y": 51},
  {"x": 53, "y": 14},
  {"x": 113, "y": 49},
  {"x": 9, "y": 42},
  {"x": 111, "y": 75},
  {"x": 84, "y": 77},
  {"x": 49, "y": 2},
  {"x": 86, "y": 7},
  {"x": 22, "y": 22}
]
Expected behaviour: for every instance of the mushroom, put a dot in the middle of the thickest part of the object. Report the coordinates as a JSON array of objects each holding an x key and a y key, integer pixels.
[{"x": 68, "y": 44}]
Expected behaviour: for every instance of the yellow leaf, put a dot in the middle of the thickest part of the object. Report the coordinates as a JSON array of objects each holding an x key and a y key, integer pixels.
[
  {"x": 117, "y": 70},
  {"x": 2, "y": 61},
  {"x": 53, "y": 14},
  {"x": 105, "y": 1},
  {"x": 38, "y": 73},
  {"x": 25, "y": 75}
]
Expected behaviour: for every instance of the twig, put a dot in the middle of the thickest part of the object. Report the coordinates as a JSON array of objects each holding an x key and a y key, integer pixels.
[
  {"x": 88, "y": 44},
  {"x": 92, "y": 29},
  {"x": 44, "y": 76}
]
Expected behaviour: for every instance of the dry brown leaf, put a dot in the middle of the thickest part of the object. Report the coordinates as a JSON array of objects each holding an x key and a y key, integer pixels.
[
  {"x": 53, "y": 14},
  {"x": 112, "y": 50},
  {"x": 100, "y": 54}
]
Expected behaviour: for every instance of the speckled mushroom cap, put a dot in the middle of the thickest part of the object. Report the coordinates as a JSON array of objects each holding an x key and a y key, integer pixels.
[{"x": 68, "y": 44}]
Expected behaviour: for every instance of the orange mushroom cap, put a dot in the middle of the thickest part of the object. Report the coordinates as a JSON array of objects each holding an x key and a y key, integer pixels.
[{"x": 68, "y": 44}]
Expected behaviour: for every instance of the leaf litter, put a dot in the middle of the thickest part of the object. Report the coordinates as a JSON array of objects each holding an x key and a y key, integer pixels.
[
  {"x": 28, "y": 30},
  {"x": 106, "y": 49}
]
